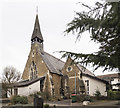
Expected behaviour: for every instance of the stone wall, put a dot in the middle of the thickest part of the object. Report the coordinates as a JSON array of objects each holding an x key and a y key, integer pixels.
[
  {"x": 35, "y": 56},
  {"x": 69, "y": 71},
  {"x": 57, "y": 85}
]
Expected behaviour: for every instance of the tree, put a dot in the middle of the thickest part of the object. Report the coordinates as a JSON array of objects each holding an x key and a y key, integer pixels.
[
  {"x": 103, "y": 24},
  {"x": 9, "y": 77}
]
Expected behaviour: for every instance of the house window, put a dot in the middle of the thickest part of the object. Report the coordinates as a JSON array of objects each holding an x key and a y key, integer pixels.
[
  {"x": 41, "y": 85},
  {"x": 15, "y": 91},
  {"x": 81, "y": 75},
  {"x": 87, "y": 86}
]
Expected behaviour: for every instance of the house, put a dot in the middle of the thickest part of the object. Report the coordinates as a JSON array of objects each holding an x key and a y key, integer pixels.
[
  {"x": 113, "y": 79},
  {"x": 46, "y": 73}
]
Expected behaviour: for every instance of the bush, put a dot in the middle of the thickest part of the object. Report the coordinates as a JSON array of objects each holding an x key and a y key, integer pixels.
[
  {"x": 80, "y": 97},
  {"x": 87, "y": 98},
  {"x": 113, "y": 95},
  {"x": 118, "y": 95},
  {"x": 97, "y": 94},
  {"x": 19, "y": 100},
  {"x": 46, "y": 106},
  {"x": 44, "y": 95}
]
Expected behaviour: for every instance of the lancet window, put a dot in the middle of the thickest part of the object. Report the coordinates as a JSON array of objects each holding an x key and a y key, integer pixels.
[{"x": 33, "y": 71}]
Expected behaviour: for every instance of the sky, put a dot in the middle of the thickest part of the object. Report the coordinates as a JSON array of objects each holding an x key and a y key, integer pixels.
[{"x": 17, "y": 20}]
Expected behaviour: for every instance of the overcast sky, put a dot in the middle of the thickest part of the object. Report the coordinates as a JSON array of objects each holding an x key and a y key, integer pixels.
[{"x": 17, "y": 20}]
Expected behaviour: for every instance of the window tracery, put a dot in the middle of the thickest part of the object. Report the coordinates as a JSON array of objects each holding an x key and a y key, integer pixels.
[{"x": 33, "y": 71}]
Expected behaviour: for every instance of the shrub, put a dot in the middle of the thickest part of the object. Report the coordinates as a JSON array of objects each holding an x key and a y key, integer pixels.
[
  {"x": 97, "y": 94},
  {"x": 80, "y": 97},
  {"x": 118, "y": 95},
  {"x": 19, "y": 100},
  {"x": 87, "y": 98},
  {"x": 46, "y": 106},
  {"x": 44, "y": 95},
  {"x": 113, "y": 95}
]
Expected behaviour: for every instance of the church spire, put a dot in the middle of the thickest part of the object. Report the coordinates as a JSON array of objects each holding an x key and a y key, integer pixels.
[{"x": 37, "y": 35}]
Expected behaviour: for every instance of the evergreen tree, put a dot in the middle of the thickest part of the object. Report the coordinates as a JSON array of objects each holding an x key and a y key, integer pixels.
[{"x": 103, "y": 24}]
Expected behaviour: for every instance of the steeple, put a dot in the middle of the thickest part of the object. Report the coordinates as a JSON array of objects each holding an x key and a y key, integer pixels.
[{"x": 37, "y": 35}]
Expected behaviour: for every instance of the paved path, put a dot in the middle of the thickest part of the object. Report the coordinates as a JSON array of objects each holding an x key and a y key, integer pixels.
[
  {"x": 97, "y": 103},
  {"x": 106, "y": 103}
]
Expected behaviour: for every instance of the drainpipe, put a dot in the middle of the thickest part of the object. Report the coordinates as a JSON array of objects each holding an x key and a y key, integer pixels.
[{"x": 75, "y": 82}]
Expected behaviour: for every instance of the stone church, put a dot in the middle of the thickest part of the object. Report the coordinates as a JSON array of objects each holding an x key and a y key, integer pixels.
[{"x": 46, "y": 73}]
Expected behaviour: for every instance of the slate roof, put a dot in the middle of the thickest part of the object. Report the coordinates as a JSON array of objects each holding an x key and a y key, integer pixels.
[
  {"x": 115, "y": 75},
  {"x": 84, "y": 70},
  {"x": 54, "y": 64},
  {"x": 37, "y": 32},
  {"x": 96, "y": 78},
  {"x": 28, "y": 82}
]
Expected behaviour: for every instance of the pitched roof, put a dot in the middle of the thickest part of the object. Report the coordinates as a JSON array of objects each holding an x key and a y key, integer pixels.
[
  {"x": 28, "y": 82},
  {"x": 115, "y": 75},
  {"x": 54, "y": 64},
  {"x": 84, "y": 70},
  {"x": 37, "y": 32},
  {"x": 96, "y": 78}
]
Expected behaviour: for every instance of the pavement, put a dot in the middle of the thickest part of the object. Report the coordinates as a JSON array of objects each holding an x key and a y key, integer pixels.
[
  {"x": 68, "y": 104},
  {"x": 106, "y": 103},
  {"x": 4, "y": 102},
  {"x": 96, "y": 103}
]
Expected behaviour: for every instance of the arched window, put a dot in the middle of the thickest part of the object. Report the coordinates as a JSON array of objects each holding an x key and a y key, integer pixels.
[{"x": 33, "y": 71}]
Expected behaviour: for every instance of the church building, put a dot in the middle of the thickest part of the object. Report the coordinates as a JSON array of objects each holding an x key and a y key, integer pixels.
[{"x": 46, "y": 73}]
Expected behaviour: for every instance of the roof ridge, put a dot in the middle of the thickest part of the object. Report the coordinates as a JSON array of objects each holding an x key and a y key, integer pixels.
[
  {"x": 85, "y": 69},
  {"x": 97, "y": 78},
  {"x": 109, "y": 74}
]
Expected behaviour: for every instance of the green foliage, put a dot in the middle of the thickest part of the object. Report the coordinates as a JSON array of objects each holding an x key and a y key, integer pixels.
[
  {"x": 97, "y": 94},
  {"x": 113, "y": 95},
  {"x": 103, "y": 24},
  {"x": 87, "y": 98},
  {"x": 46, "y": 106},
  {"x": 19, "y": 100},
  {"x": 80, "y": 97},
  {"x": 44, "y": 95}
]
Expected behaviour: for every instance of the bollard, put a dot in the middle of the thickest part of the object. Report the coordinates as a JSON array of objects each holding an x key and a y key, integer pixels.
[{"x": 38, "y": 101}]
